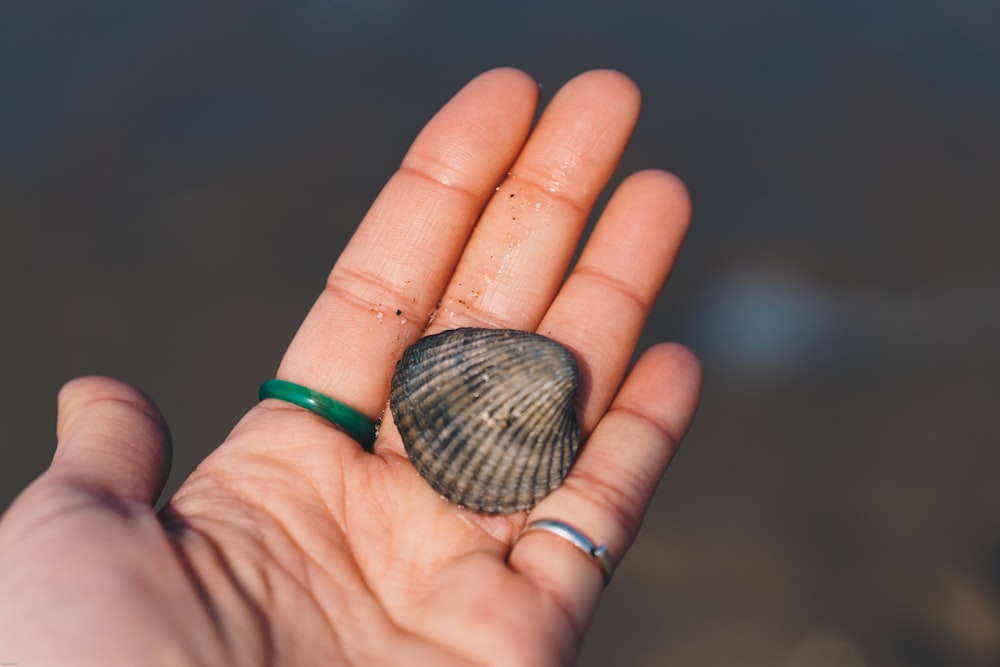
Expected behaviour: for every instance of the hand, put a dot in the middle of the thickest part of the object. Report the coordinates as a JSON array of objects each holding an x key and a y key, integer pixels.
[{"x": 292, "y": 545}]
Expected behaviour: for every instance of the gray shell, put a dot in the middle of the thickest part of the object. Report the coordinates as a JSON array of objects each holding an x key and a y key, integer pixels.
[{"x": 487, "y": 415}]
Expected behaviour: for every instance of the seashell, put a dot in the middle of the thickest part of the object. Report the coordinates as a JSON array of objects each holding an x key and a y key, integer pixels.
[{"x": 487, "y": 415}]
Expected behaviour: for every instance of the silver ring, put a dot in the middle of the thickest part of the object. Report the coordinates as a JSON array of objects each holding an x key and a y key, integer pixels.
[{"x": 579, "y": 540}]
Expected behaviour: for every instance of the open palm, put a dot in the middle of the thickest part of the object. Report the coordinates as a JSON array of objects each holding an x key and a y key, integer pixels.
[{"x": 292, "y": 545}]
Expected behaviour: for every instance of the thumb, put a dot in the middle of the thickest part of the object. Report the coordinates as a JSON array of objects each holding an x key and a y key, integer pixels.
[{"x": 111, "y": 437}]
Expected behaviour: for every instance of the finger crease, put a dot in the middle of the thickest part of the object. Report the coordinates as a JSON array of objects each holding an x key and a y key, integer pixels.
[
  {"x": 580, "y": 206},
  {"x": 351, "y": 285},
  {"x": 607, "y": 497},
  {"x": 662, "y": 429},
  {"x": 616, "y": 285},
  {"x": 477, "y": 317},
  {"x": 429, "y": 176}
]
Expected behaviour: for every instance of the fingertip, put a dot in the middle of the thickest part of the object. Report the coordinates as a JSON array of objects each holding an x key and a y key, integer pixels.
[
  {"x": 673, "y": 373},
  {"x": 658, "y": 199},
  {"x": 611, "y": 80},
  {"x": 112, "y": 436},
  {"x": 680, "y": 362},
  {"x": 516, "y": 81},
  {"x": 78, "y": 392},
  {"x": 672, "y": 193},
  {"x": 509, "y": 73},
  {"x": 607, "y": 96}
]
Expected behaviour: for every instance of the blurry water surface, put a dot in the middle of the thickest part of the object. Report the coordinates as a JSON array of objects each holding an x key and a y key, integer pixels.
[{"x": 175, "y": 183}]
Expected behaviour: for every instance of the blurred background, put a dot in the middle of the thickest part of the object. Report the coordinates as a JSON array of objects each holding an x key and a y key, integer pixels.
[{"x": 176, "y": 181}]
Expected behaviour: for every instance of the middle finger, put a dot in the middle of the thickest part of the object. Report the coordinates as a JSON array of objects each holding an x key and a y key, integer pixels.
[{"x": 518, "y": 254}]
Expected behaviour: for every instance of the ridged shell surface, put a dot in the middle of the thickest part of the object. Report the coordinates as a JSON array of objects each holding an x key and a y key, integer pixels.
[{"x": 487, "y": 415}]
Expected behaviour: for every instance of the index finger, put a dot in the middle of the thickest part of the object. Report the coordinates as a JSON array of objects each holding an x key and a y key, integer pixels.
[{"x": 377, "y": 299}]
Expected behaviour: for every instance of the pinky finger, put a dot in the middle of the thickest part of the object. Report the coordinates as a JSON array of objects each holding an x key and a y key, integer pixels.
[{"x": 610, "y": 486}]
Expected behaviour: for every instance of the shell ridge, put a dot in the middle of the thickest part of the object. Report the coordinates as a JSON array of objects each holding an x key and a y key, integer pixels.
[{"x": 488, "y": 416}]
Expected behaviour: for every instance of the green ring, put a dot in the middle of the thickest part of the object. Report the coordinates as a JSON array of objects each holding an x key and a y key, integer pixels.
[{"x": 342, "y": 416}]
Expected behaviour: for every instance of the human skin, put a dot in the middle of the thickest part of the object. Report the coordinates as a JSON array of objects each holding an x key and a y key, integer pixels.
[{"x": 290, "y": 544}]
